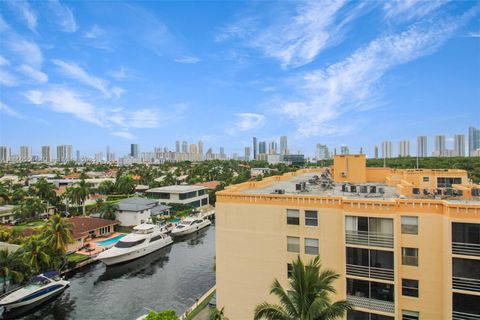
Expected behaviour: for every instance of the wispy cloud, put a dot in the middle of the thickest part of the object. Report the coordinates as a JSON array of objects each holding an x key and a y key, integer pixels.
[
  {"x": 27, "y": 50},
  {"x": 9, "y": 111},
  {"x": 98, "y": 38},
  {"x": 408, "y": 9},
  {"x": 65, "y": 17},
  {"x": 353, "y": 84},
  {"x": 3, "y": 61},
  {"x": 123, "y": 134},
  {"x": 8, "y": 79},
  {"x": 474, "y": 34},
  {"x": 74, "y": 71},
  {"x": 187, "y": 60},
  {"x": 33, "y": 74},
  {"x": 245, "y": 122},
  {"x": 296, "y": 40},
  {"x": 26, "y": 13},
  {"x": 121, "y": 74}
]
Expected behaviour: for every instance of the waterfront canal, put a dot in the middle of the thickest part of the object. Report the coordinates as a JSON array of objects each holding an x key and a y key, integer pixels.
[{"x": 171, "y": 278}]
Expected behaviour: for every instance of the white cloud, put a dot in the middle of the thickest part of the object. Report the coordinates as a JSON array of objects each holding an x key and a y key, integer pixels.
[
  {"x": 26, "y": 12},
  {"x": 123, "y": 134},
  {"x": 9, "y": 111},
  {"x": 3, "y": 61},
  {"x": 74, "y": 71},
  {"x": 34, "y": 74},
  {"x": 245, "y": 122},
  {"x": 146, "y": 118},
  {"x": 8, "y": 79},
  {"x": 353, "y": 84},
  {"x": 27, "y": 50},
  {"x": 408, "y": 9},
  {"x": 187, "y": 60},
  {"x": 63, "y": 100},
  {"x": 94, "y": 33},
  {"x": 64, "y": 15},
  {"x": 474, "y": 35},
  {"x": 120, "y": 74}
]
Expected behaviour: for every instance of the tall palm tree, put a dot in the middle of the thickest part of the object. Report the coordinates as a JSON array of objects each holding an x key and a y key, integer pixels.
[
  {"x": 35, "y": 253},
  {"x": 84, "y": 190},
  {"x": 44, "y": 190},
  {"x": 108, "y": 211},
  {"x": 307, "y": 297},
  {"x": 125, "y": 185},
  {"x": 11, "y": 265},
  {"x": 57, "y": 233},
  {"x": 29, "y": 208}
]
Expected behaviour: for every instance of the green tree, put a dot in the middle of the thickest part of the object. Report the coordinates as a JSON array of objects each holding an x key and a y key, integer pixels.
[
  {"x": 162, "y": 315},
  {"x": 79, "y": 193},
  {"x": 106, "y": 187},
  {"x": 35, "y": 253},
  {"x": 10, "y": 265},
  {"x": 44, "y": 190},
  {"x": 216, "y": 314},
  {"x": 57, "y": 233},
  {"x": 125, "y": 185},
  {"x": 108, "y": 211},
  {"x": 307, "y": 297},
  {"x": 29, "y": 208}
]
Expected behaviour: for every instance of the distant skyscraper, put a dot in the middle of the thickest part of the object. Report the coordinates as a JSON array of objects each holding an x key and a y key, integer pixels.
[
  {"x": 387, "y": 149},
  {"x": 272, "y": 147},
  {"x": 64, "y": 153},
  {"x": 200, "y": 149},
  {"x": 46, "y": 154},
  {"x": 254, "y": 148},
  {"x": 473, "y": 140},
  {"x": 404, "y": 148},
  {"x": 321, "y": 152},
  {"x": 247, "y": 153},
  {"x": 459, "y": 145},
  {"x": 344, "y": 150},
  {"x": 440, "y": 150},
  {"x": 262, "y": 147},
  {"x": 134, "y": 150},
  {"x": 283, "y": 145},
  {"x": 25, "y": 153},
  {"x": 99, "y": 157},
  {"x": 177, "y": 146},
  {"x": 4, "y": 154},
  {"x": 77, "y": 156},
  {"x": 375, "y": 152},
  {"x": 184, "y": 146},
  {"x": 422, "y": 146},
  {"x": 222, "y": 151},
  {"x": 107, "y": 155}
]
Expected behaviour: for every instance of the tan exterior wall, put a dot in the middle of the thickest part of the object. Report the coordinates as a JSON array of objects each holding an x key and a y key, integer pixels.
[{"x": 350, "y": 168}]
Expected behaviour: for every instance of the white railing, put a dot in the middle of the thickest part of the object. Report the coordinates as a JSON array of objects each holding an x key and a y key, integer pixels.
[
  {"x": 465, "y": 316},
  {"x": 369, "y": 238},
  {"x": 467, "y": 249},
  {"x": 370, "y": 272},
  {"x": 466, "y": 284},
  {"x": 372, "y": 304}
]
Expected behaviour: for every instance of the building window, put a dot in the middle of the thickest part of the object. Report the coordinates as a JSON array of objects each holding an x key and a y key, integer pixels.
[
  {"x": 311, "y": 218},
  {"x": 466, "y": 269},
  {"x": 311, "y": 246},
  {"x": 293, "y": 217},
  {"x": 289, "y": 270},
  {"x": 293, "y": 244},
  {"x": 448, "y": 182},
  {"x": 466, "y": 303},
  {"x": 360, "y": 315},
  {"x": 410, "y": 287},
  {"x": 410, "y": 315},
  {"x": 409, "y": 256},
  {"x": 370, "y": 289},
  {"x": 466, "y": 233},
  {"x": 426, "y": 179},
  {"x": 409, "y": 225}
]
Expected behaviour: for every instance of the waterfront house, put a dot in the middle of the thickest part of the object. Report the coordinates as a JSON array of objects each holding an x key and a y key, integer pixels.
[
  {"x": 85, "y": 228},
  {"x": 194, "y": 196},
  {"x": 6, "y": 213},
  {"x": 135, "y": 211}
]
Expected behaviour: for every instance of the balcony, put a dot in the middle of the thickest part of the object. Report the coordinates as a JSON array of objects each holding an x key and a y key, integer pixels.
[
  {"x": 370, "y": 272},
  {"x": 369, "y": 238},
  {"x": 465, "y": 316},
  {"x": 372, "y": 304},
  {"x": 465, "y": 284},
  {"x": 467, "y": 249}
]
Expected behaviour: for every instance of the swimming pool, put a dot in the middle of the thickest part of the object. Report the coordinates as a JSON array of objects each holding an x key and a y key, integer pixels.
[{"x": 110, "y": 241}]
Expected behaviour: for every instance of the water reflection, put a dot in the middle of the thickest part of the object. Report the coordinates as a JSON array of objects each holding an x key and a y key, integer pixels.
[{"x": 171, "y": 278}]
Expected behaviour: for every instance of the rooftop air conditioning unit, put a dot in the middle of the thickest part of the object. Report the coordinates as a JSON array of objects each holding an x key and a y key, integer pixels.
[
  {"x": 426, "y": 191},
  {"x": 279, "y": 191},
  {"x": 353, "y": 189},
  {"x": 448, "y": 192},
  {"x": 381, "y": 190},
  {"x": 344, "y": 174},
  {"x": 416, "y": 190},
  {"x": 475, "y": 192},
  {"x": 363, "y": 189},
  {"x": 373, "y": 189}
]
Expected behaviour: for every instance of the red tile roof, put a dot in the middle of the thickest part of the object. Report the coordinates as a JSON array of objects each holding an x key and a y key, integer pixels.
[
  {"x": 209, "y": 184},
  {"x": 82, "y": 225},
  {"x": 74, "y": 175}
]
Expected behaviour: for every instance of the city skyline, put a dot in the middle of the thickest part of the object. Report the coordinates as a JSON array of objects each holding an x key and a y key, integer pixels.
[{"x": 77, "y": 79}]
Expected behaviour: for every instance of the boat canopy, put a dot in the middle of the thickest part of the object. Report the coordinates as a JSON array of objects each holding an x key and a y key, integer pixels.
[{"x": 144, "y": 228}]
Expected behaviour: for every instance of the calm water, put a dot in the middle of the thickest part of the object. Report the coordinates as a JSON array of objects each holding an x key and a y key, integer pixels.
[{"x": 171, "y": 278}]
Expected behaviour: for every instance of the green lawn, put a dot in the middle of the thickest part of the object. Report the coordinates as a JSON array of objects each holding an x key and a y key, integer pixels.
[
  {"x": 76, "y": 257},
  {"x": 30, "y": 224}
]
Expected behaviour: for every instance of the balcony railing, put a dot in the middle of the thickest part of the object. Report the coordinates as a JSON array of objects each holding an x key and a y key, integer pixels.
[
  {"x": 372, "y": 304},
  {"x": 370, "y": 272},
  {"x": 466, "y": 284},
  {"x": 369, "y": 238},
  {"x": 467, "y": 249},
  {"x": 465, "y": 316}
]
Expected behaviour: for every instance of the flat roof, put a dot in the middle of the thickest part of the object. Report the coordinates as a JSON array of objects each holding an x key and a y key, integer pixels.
[{"x": 177, "y": 189}]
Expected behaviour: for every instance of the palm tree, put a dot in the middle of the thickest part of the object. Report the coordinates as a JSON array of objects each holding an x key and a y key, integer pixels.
[
  {"x": 44, "y": 190},
  {"x": 307, "y": 297},
  {"x": 125, "y": 185},
  {"x": 216, "y": 314},
  {"x": 57, "y": 233},
  {"x": 35, "y": 253},
  {"x": 108, "y": 211},
  {"x": 29, "y": 208},
  {"x": 10, "y": 265},
  {"x": 106, "y": 187},
  {"x": 79, "y": 193}
]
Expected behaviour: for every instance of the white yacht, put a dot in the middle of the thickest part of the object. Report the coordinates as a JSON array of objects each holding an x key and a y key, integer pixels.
[
  {"x": 37, "y": 290},
  {"x": 191, "y": 224},
  {"x": 145, "y": 239}
]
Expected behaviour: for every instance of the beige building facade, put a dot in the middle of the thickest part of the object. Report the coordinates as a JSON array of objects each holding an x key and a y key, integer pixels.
[{"x": 401, "y": 253}]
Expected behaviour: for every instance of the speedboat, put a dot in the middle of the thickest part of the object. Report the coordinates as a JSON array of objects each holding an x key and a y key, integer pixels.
[
  {"x": 145, "y": 239},
  {"x": 191, "y": 224},
  {"x": 38, "y": 289}
]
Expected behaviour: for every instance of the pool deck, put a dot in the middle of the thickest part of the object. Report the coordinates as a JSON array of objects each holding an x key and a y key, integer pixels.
[{"x": 97, "y": 248}]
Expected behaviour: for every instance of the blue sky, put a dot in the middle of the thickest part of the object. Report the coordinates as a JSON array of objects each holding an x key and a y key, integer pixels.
[{"x": 102, "y": 73}]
